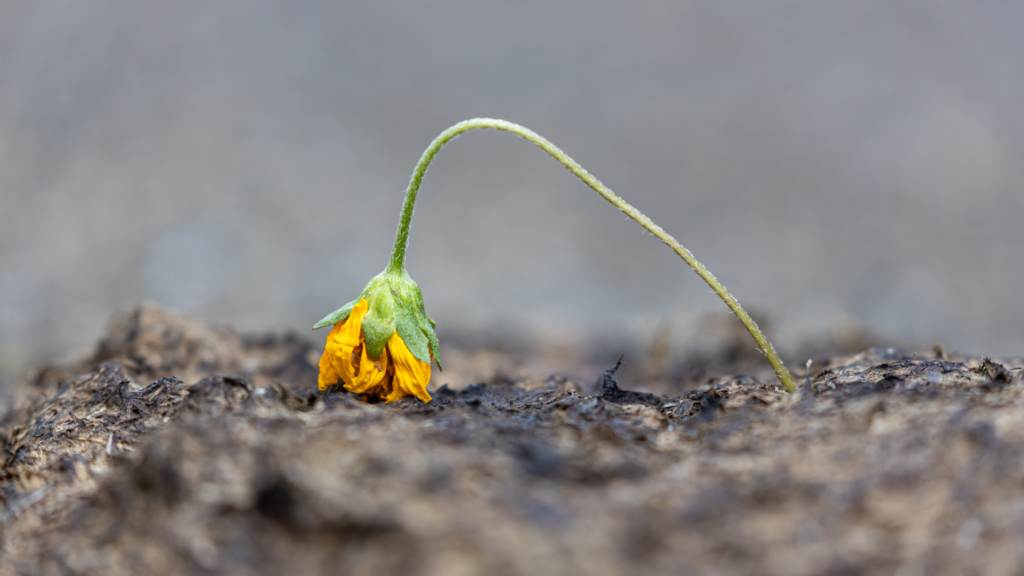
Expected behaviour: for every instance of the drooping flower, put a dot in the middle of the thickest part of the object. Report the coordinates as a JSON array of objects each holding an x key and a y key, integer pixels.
[{"x": 383, "y": 343}]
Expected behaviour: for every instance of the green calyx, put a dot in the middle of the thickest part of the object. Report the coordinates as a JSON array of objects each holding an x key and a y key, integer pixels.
[{"x": 395, "y": 304}]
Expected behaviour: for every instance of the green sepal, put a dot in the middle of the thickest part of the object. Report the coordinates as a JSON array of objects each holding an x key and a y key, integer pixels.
[
  {"x": 426, "y": 326},
  {"x": 435, "y": 347},
  {"x": 409, "y": 330},
  {"x": 338, "y": 315},
  {"x": 379, "y": 322},
  {"x": 410, "y": 317}
]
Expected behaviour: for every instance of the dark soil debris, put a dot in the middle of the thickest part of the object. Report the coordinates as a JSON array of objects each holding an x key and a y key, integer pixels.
[
  {"x": 611, "y": 392},
  {"x": 179, "y": 449}
]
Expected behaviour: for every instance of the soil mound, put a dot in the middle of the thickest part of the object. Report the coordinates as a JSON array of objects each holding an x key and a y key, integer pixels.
[{"x": 180, "y": 449}]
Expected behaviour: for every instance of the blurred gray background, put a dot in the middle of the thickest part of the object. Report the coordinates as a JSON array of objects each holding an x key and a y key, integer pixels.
[{"x": 840, "y": 166}]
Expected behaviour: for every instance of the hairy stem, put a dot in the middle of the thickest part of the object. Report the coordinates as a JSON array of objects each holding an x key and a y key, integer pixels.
[{"x": 402, "y": 238}]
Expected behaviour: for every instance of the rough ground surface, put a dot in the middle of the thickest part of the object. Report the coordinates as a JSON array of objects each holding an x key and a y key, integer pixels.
[{"x": 180, "y": 449}]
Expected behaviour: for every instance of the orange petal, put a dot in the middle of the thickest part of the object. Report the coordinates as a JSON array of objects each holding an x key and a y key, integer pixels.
[
  {"x": 352, "y": 326},
  {"x": 337, "y": 359},
  {"x": 371, "y": 373},
  {"x": 411, "y": 374},
  {"x": 328, "y": 375}
]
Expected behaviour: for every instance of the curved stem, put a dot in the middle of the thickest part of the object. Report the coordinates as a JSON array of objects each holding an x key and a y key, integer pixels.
[{"x": 402, "y": 238}]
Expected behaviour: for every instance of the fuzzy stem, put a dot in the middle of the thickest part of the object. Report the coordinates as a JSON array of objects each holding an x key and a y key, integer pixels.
[{"x": 402, "y": 238}]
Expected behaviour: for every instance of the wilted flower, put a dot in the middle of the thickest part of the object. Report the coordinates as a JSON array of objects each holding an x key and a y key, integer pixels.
[{"x": 383, "y": 343}]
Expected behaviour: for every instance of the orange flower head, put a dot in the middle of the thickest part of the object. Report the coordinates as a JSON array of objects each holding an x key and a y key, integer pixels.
[{"x": 382, "y": 344}]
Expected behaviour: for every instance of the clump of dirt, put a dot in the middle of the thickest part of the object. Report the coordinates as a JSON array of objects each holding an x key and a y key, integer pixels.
[{"x": 176, "y": 449}]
